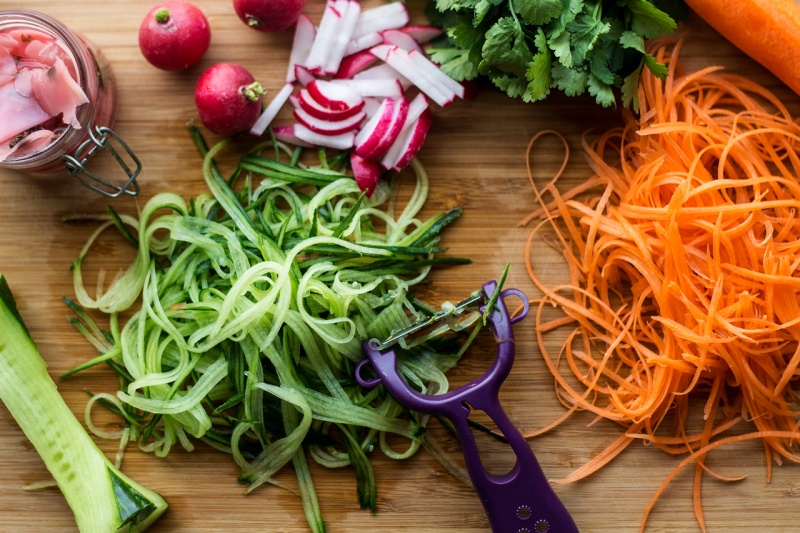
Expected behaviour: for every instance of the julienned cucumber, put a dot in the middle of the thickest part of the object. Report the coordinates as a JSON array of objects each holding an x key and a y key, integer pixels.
[{"x": 102, "y": 498}]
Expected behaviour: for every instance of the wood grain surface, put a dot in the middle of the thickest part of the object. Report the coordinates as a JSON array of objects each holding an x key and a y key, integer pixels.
[{"x": 475, "y": 155}]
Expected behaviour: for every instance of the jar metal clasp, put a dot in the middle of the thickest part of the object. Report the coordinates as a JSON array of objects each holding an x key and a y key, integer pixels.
[{"x": 103, "y": 138}]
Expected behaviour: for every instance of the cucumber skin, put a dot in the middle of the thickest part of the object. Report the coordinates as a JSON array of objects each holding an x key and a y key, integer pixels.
[{"x": 79, "y": 467}]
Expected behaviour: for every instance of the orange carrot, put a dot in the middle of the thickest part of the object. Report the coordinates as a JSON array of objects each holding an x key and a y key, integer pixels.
[
  {"x": 683, "y": 252},
  {"x": 766, "y": 30}
]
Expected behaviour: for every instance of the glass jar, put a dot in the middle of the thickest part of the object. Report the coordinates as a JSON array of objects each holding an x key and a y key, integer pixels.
[{"x": 72, "y": 149}]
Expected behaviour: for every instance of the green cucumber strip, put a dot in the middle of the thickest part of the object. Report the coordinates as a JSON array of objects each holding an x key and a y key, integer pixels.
[{"x": 101, "y": 497}]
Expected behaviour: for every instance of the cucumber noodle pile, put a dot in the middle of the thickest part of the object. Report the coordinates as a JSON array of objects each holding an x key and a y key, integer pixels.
[{"x": 254, "y": 304}]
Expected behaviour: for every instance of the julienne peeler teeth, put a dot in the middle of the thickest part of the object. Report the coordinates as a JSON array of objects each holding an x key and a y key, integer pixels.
[{"x": 520, "y": 501}]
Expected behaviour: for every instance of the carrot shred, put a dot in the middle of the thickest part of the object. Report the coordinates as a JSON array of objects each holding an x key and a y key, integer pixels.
[{"x": 683, "y": 255}]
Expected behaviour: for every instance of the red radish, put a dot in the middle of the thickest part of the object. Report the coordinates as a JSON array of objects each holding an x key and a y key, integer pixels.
[
  {"x": 430, "y": 69},
  {"x": 333, "y": 96},
  {"x": 286, "y": 134},
  {"x": 228, "y": 99},
  {"x": 303, "y": 76},
  {"x": 377, "y": 136},
  {"x": 366, "y": 173},
  {"x": 383, "y": 72},
  {"x": 386, "y": 17},
  {"x": 371, "y": 106},
  {"x": 422, "y": 34},
  {"x": 338, "y": 142},
  {"x": 401, "y": 39},
  {"x": 354, "y": 63},
  {"x": 415, "y": 140},
  {"x": 271, "y": 111},
  {"x": 304, "y": 34},
  {"x": 350, "y": 10},
  {"x": 327, "y": 127},
  {"x": 326, "y": 36},
  {"x": 377, "y": 88},
  {"x": 365, "y": 42},
  {"x": 269, "y": 15},
  {"x": 401, "y": 61},
  {"x": 415, "y": 110},
  {"x": 174, "y": 35},
  {"x": 312, "y": 107}
]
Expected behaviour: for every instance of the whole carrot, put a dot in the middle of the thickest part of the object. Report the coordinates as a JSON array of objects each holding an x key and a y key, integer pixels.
[{"x": 766, "y": 30}]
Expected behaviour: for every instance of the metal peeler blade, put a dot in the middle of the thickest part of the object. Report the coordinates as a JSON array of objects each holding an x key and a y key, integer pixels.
[{"x": 520, "y": 501}]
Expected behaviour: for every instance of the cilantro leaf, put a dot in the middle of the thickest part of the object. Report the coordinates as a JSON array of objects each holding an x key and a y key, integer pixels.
[
  {"x": 569, "y": 9},
  {"x": 570, "y": 80},
  {"x": 560, "y": 48},
  {"x": 505, "y": 47},
  {"x": 601, "y": 91},
  {"x": 649, "y": 21},
  {"x": 630, "y": 90},
  {"x": 454, "y": 62},
  {"x": 659, "y": 70},
  {"x": 514, "y": 86},
  {"x": 538, "y": 73},
  {"x": 538, "y": 12},
  {"x": 630, "y": 39},
  {"x": 585, "y": 30}
]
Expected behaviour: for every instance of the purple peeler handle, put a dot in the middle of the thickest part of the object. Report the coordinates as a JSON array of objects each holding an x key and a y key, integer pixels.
[{"x": 520, "y": 501}]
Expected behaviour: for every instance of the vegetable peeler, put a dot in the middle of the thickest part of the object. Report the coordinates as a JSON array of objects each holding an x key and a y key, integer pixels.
[{"x": 522, "y": 500}]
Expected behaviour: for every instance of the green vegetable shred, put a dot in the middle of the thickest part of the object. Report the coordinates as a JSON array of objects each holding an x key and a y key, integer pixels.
[{"x": 254, "y": 302}]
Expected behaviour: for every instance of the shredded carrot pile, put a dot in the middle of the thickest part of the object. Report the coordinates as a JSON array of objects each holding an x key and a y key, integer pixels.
[{"x": 683, "y": 251}]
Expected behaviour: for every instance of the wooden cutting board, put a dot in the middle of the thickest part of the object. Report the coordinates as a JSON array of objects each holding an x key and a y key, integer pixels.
[{"x": 475, "y": 155}]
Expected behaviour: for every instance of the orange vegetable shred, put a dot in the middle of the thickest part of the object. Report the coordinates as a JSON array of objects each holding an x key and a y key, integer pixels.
[{"x": 683, "y": 252}]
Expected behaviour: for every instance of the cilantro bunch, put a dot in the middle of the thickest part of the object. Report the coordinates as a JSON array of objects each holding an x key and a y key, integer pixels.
[{"x": 528, "y": 47}]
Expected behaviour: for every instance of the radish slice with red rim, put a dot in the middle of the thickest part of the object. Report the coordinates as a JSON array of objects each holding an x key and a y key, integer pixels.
[
  {"x": 271, "y": 111},
  {"x": 303, "y": 76},
  {"x": 304, "y": 34},
  {"x": 350, "y": 11},
  {"x": 365, "y": 172},
  {"x": 399, "y": 60},
  {"x": 422, "y": 34},
  {"x": 383, "y": 72},
  {"x": 372, "y": 143},
  {"x": 387, "y": 88},
  {"x": 416, "y": 108},
  {"x": 365, "y": 42},
  {"x": 337, "y": 142},
  {"x": 435, "y": 73},
  {"x": 329, "y": 26},
  {"x": 386, "y": 17},
  {"x": 401, "y": 39},
  {"x": 286, "y": 134},
  {"x": 354, "y": 63},
  {"x": 336, "y": 97},
  {"x": 312, "y": 107},
  {"x": 415, "y": 140},
  {"x": 328, "y": 127}
]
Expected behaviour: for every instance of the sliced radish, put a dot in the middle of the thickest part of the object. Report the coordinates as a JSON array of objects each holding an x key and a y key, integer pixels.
[
  {"x": 304, "y": 34},
  {"x": 350, "y": 11},
  {"x": 302, "y": 75},
  {"x": 271, "y": 111},
  {"x": 383, "y": 72},
  {"x": 365, "y": 42},
  {"x": 286, "y": 134},
  {"x": 329, "y": 27},
  {"x": 415, "y": 141},
  {"x": 354, "y": 63},
  {"x": 327, "y": 127},
  {"x": 375, "y": 88},
  {"x": 435, "y": 73},
  {"x": 336, "y": 97},
  {"x": 416, "y": 108},
  {"x": 422, "y": 34},
  {"x": 386, "y": 17},
  {"x": 401, "y": 39},
  {"x": 371, "y": 106},
  {"x": 366, "y": 173},
  {"x": 380, "y": 132},
  {"x": 337, "y": 142},
  {"x": 306, "y": 102},
  {"x": 400, "y": 60}
]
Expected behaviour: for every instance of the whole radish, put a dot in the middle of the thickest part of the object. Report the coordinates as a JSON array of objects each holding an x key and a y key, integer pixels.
[
  {"x": 174, "y": 35},
  {"x": 269, "y": 15},
  {"x": 228, "y": 99}
]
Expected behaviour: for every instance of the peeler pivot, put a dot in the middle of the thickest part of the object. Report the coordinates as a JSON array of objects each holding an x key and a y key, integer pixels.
[{"x": 520, "y": 501}]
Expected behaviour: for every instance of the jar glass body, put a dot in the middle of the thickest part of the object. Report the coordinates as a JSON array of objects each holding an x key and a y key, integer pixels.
[{"x": 93, "y": 75}]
